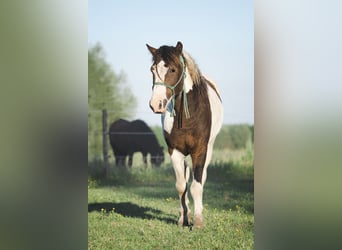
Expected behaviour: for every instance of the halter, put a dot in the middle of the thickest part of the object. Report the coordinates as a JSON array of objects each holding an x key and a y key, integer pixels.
[{"x": 172, "y": 88}]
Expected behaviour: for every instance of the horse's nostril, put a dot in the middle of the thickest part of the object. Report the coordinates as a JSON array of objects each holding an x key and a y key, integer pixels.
[
  {"x": 164, "y": 103},
  {"x": 160, "y": 105}
]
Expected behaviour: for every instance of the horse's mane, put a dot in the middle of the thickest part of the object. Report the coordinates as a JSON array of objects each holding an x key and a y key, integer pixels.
[
  {"x": 193, "y": 69},
  {"x": 196, "y": 74}
]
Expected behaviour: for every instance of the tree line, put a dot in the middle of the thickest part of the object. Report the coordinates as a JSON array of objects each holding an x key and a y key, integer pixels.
[
  {"x": 235, "y": 136},
  {"x": 106, "y": 90}
]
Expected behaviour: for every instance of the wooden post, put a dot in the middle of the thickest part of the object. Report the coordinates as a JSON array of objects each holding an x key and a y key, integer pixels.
[{"x": 104, "y": 143}]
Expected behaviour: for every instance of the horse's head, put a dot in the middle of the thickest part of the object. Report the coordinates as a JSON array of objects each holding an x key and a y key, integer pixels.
[
  {"x": 168, "y": 71},
  {"x": 158, "y": 158}
]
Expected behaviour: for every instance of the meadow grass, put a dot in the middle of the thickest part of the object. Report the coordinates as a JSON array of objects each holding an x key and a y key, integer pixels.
[{"x": 138, "y": 208}]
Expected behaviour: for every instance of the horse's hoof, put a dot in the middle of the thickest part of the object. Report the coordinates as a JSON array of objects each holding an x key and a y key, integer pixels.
[
  {"x": 198, "y": 221},
  {"x": 184, "y": 221}
]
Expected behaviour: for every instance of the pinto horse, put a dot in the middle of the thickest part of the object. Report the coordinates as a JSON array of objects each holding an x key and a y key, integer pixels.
[{"x": 192, "y": 115}]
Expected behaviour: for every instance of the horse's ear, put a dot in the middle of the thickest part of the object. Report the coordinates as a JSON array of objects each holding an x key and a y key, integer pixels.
[
  {"x": 151, "y": 49},
  {"x": 179, "y": 47}
]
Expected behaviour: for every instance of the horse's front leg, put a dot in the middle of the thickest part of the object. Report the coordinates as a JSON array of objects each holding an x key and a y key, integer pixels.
[
  {"x": 200, "y": 163},
  {"x": 130, "y": 160},
  {"x": 182, "y": 176},
  {"x": 145, "y": 159}
]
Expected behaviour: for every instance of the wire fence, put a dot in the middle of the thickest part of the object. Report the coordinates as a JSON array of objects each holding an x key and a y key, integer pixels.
[{"x": 121, "y": 133}]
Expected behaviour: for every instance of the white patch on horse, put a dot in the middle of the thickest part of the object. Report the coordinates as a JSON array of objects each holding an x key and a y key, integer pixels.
[
  {"x": 216, "y": 120},
  {"x": 160, "y": 71},
  {"x": 197, "y": 194},
  {"x": 167, "y": 120},
  {"x": 159, "y": 91},
  {"x": 188, "y": 83},
  {"x": 178, "y": 159}
]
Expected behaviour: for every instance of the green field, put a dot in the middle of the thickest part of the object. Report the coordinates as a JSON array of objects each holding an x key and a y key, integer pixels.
[{"x": 138, "y": 208}]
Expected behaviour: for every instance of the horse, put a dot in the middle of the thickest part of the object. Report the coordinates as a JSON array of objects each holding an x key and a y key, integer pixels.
[
  {"x": 192, "y": 113},
  {"x": 126, "y": 138}
]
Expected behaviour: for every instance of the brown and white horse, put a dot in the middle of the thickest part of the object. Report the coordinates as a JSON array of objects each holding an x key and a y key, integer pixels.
[{"x": 192, "y": 115}]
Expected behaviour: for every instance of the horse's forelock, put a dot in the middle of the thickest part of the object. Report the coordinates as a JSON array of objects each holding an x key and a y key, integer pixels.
[{"x": 168, "y": 54}]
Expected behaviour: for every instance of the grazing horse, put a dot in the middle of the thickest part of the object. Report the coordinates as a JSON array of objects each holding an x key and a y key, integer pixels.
[
  {"x": 192, "y": 115},
  {"x": 126, "y": 138}
]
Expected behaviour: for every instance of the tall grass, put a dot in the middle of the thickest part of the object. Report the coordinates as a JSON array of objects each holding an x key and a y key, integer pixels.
[{"x": 221, "y": 159}]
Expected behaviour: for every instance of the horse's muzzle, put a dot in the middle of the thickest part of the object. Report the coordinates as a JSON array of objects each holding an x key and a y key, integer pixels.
[{"x": 158, "y": 106}]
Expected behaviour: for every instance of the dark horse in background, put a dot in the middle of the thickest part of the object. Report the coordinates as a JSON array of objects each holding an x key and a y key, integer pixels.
[
  {"x": 126, "y": 138},
  {"x": 192, "y": 115}
]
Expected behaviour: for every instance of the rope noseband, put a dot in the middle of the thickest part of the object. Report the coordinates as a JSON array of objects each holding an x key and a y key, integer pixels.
[{"x": 172, "y": 88}]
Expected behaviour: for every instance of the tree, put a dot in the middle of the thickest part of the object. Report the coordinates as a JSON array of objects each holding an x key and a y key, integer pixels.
[
  {"x": 233, "y": 136},
  {"x": 106, "y": 90},
  {"x": 252, "y": 132}
]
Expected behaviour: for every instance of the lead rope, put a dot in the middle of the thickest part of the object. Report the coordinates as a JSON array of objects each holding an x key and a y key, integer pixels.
[
  {"x": 185, "y": 103},
  {"x": 185, "y": 99}
]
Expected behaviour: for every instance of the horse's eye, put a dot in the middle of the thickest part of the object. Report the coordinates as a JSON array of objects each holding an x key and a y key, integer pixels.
[
  {"x": 173, "y": 70},
  {"x": 166, "y": 65}
]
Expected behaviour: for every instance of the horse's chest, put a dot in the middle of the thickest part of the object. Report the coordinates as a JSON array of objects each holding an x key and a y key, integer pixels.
[
  {"x": 167, "y": 122},
  {"x": 187, "y": 139}
]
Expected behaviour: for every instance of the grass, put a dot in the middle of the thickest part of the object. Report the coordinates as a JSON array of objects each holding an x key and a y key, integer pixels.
[{"x": 138, "y": 209}]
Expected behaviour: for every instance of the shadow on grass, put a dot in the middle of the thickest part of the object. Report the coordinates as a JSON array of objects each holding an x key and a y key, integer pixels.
[{"x": 128, "y": 209}]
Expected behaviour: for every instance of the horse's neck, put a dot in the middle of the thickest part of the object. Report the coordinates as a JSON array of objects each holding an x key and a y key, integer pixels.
[{"x": 194, "y": 95}]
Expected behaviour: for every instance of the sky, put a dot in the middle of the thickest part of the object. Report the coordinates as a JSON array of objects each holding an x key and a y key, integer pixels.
[{"x": 219, "y": 36}]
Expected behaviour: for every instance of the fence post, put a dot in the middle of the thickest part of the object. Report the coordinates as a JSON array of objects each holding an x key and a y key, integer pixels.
[{"x": 104, "y": 142}]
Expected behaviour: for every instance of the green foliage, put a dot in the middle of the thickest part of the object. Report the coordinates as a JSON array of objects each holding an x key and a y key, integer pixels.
[
  {"x": 106, "y": 90},
  {"x": 234, "y": 136},
  {"x": 252, "y": 132}
]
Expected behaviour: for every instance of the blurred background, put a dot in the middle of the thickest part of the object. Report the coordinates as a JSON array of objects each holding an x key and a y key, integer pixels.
[
  {"x": 44, "y": 128},
  {"x": 220, "y": 38}
]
